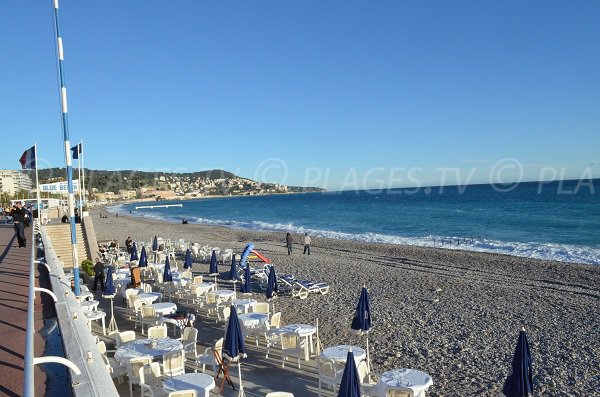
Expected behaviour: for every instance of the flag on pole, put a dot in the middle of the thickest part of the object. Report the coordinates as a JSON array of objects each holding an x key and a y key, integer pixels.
[
  {"x": 27, "y": 159},
  {"x": 77, "y": 150}
]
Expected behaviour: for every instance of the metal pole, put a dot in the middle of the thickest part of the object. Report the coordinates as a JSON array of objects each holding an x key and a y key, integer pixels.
[
  {"x": 67, "y": 146},
  {"x": 79, "y": 181},
  {"x": 37, "y": 186},
  {"x": 82, "y": 184}
]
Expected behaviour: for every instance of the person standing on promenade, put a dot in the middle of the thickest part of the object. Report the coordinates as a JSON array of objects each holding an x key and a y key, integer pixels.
[
  {"x": 99, "y": 270},
  {"x": 288, "y": 242},
  {"x": 18, "y": 213},
  {"x": 307, "y": 243}
]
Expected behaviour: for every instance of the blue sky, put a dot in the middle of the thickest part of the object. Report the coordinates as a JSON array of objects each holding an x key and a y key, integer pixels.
[{"x": 330, "y": 93}]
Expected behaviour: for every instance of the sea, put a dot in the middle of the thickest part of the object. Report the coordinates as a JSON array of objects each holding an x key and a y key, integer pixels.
[{"x": 557, "y": 220}]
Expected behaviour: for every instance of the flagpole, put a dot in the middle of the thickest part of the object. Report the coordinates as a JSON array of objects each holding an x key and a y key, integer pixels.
[
  {"x": 79, "y": 180},
  {"x": 82, "y": 185},
  {"x": 67, "y": 147},
  {"x": 37, "y": 186}
]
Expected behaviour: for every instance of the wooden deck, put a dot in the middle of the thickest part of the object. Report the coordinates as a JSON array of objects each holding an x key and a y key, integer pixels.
[{"x": 14, "y": 278}]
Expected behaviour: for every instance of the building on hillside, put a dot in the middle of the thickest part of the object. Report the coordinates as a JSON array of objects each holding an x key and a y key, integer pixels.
[{"x": 12, "y": 181}]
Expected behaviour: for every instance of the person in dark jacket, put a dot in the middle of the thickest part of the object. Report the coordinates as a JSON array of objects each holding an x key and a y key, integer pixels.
[
  {"x": 18, "y": 213},
  {"x": 288, "y": 241},
  {"x": 99, "y": 270}
]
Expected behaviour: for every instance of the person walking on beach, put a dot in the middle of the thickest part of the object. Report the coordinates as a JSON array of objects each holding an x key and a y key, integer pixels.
[
  {"x": 18, "y": 213},
  {"x": 288, "y": 242},
  {"x": 99, "y": 270},
  {"x": 307, "y": 243}
]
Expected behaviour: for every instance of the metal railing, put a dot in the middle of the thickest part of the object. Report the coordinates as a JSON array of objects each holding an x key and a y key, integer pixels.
[{"x": 89, "y": 375}]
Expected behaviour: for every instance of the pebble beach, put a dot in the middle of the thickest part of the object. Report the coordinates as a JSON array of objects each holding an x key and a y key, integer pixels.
[{"x": 453, "y": 314}]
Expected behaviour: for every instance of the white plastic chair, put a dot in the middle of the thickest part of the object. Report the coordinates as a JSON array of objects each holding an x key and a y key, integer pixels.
[
  {"x": 148, "y": 316},
  {"x": 279, "y": 394},
  {"x": 183, "y": 393},
  {"x": 261, "y": 307},
  {"x": 189, "y": 339},
  {"x": 133, "y": 371},
  {"x": 124, "y": 337},
  {"x": 292, "y": 345},
  {"x": 398, "y": 391},
  {"x": 115, "y": 369},
  {"x": 174, "y": 363},
  {"x": 157, "y": 332},
  {"x": 208, "y": 357},
  {"x": 150, "y": 381},
  {"x": 329, "y": 373}
]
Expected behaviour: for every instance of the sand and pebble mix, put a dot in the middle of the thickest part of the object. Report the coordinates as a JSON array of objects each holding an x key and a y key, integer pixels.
[{"x": 453, "y": 314}]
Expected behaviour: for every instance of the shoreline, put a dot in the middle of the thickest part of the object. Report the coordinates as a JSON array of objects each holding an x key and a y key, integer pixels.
[
  {"x": 453, "y": 314},
  {"x": 457, "y": 247}
]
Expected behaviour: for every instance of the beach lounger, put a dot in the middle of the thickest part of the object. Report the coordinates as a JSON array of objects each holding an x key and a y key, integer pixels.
[{"x": 305, "y": 287}]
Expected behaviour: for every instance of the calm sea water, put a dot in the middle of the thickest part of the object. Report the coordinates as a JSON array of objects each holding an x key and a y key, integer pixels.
[{"x": 558, "y": 220}]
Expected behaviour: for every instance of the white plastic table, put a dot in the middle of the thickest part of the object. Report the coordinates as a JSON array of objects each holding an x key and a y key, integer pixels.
[
  {"x": 122, "y": 274},
  {"x": 97, "y": 315},
  {"x": 305, "y": 331},
  {"x": 340, "y": 353},
  {"x": 147, "y": 298},
  {"x": 224, "y": 294},
  {"x": 89, "y": 306},
  {"x": 418, "y": 381},
  {"x": 146, "y": 347},
  {"x": 164, "y": 308},
  {"x": 203, "y": 287},
  {"x": 251, "y": 320},
  {"x": 202, "y": 383},
  {"x": 244, "y": 305}
]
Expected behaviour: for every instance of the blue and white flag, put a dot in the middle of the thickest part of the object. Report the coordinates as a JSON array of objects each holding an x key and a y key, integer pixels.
[
  {"x": 27, "y": 159},
  {"x": 77, "y": 150}
]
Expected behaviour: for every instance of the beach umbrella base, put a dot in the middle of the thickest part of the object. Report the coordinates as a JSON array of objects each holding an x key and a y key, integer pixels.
[{"x": 112, "y": 324}]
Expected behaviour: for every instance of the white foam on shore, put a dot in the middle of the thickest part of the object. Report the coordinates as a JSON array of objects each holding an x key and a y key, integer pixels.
[{"x": 547, "y": 251}]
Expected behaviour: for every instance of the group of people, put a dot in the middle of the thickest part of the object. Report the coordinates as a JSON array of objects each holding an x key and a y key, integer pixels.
[{"x": 290, "y": 241}]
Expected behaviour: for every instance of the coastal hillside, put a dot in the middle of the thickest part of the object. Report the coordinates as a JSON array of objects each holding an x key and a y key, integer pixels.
[{"x": 152, "y": 183}]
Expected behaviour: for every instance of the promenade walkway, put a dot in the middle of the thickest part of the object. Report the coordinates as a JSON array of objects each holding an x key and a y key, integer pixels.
[{"x": 14, "y": 270}]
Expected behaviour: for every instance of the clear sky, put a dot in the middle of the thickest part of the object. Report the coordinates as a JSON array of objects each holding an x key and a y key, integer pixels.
[{"x": 327, "y": 93}]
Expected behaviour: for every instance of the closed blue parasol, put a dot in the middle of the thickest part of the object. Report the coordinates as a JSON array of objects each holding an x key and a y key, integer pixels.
[
  {"x": 109, "y": 292},
  {"x": 247, "y": 250},
  {"x": 134, "y": 254},
  {"x": 155, "y": 244},
  {"x": 234, "y": 343},
  {"x": 350, "y": 385},
  {"x": 213, "y": 264},
  {"x": 272, "y": 283},
  {"x": 233, "y": 270},
  {"x": 187, "y": 264},
  {"x": 520, "y": 381},
  {"x": 109, "y": 286},
  {"x": 362, "y": 319},
  {"x": 167, "y": 272},
  {"x": 143, "y": 258},
  {"x": 246, "y": 287}
]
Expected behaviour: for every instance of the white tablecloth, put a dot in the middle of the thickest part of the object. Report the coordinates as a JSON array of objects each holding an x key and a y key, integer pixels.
[
  {"x": 417, "y": 380},
  {"x": 164, "y": 308},
  {"x": 147, "y": 298},
  {"x": 339, "y": 353},
  {"x": 251, "y": 320},
  {"x": 244, "y": 305},
  {"x": 202, "y": 383},
  {"x": 203, "y": 287},
  {"x": 142, "y": 347},
  {"x": 224, "y": 294}
]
